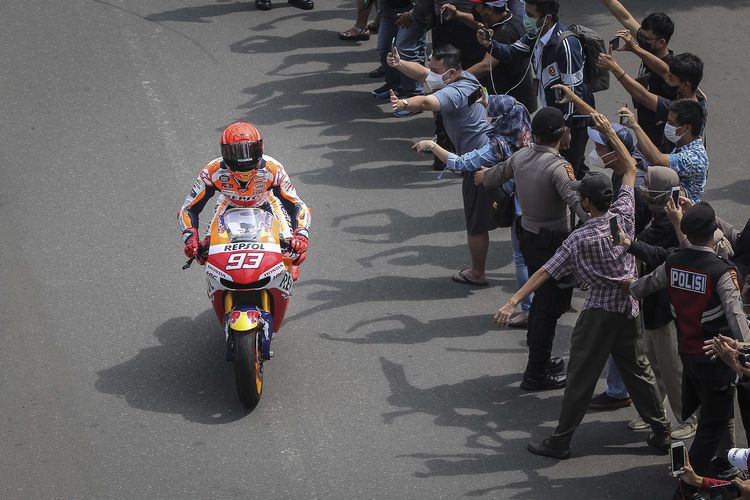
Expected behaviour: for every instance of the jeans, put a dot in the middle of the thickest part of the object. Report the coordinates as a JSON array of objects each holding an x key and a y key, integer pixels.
[
  {"x": 410, "y": 43},
  {"x": 522, "y": 272},
  {"x": 615, "y": 385}
]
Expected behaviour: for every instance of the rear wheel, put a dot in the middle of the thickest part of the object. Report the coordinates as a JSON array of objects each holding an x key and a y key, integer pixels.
[{"x": 248, "y": 367}]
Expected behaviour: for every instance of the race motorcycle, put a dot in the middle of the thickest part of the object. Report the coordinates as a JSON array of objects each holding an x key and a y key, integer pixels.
[{"x": 249, "y": 271}]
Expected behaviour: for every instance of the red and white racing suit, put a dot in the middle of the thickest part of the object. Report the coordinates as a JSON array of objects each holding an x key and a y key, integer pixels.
[{"x": 269, "y": 189}]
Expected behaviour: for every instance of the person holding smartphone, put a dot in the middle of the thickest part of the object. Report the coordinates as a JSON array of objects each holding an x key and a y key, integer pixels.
[
  {"x": 705, "y": 296},
  {"x": 608, "y": 323},
  {"x": 409, "y": 43}
]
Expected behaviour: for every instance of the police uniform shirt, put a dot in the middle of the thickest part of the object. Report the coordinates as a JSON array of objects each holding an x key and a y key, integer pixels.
[
  {"x": 543, "y": 179},
  {"x": 727, "y": 288}
]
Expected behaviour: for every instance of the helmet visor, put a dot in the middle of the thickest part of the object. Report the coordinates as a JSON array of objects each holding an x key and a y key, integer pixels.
[{"x": 242, "y": 156}]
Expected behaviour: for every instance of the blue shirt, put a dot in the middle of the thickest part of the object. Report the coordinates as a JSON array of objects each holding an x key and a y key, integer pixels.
[
  {"x": 691, "y": 164},
  {"x": 466, "y": 125}
]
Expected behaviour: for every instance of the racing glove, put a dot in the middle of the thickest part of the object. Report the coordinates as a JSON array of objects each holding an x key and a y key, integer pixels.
[
  {"x": 191, "y": 243},
  {"x": 299, "y": 241}
]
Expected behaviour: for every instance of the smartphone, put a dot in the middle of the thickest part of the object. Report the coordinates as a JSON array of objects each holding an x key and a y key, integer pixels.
[
  {"x": 581, "y": 120},
  {"x": 615, "y": 43},
  {"x": 393, "y": 45},
  {"x": 676, "y": 196},
  {"x": 486, "y": 34},
  {"x": 678, "y": 457},
  {"x": 623, "y": 118},
  {"x": 443, "y": 16},
  {"x": 614, "y": 228},
  {"x": 559, "y": 94}
]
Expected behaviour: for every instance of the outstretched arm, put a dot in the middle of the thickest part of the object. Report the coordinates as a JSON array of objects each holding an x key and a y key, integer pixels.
[
  {"x": 623, "y": 15},
  {"x": 502, "y": 316}
]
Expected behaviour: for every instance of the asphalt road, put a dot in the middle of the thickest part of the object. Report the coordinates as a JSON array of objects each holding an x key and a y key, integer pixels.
[{"x": 390, "y": 381}]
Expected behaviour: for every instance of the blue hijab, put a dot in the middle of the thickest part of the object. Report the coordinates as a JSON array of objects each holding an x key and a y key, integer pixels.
[{"x": 511, "y": 125}]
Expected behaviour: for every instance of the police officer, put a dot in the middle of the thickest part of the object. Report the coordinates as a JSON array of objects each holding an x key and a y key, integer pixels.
[
  {"x": 705, "y": 295},
  {"x": 543, "y": 186}
]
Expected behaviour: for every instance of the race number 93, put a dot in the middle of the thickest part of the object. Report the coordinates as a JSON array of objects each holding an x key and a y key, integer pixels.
[{"x": 244, "y": 260}]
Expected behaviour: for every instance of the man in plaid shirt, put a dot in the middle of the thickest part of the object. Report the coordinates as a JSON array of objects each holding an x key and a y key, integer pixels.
[{"x": 608, "y": 322}]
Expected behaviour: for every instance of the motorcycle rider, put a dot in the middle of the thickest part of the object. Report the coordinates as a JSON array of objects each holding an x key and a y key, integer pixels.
[{"x": 246, "y": 178}]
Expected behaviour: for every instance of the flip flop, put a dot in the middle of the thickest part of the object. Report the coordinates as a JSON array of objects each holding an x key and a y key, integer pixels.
[{"x": 460, "y": 277}]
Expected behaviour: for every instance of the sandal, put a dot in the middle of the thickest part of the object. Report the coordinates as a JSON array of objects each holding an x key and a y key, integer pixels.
[
  {"x": 354, "y": 34},
  {"x": 373, "y": 28},
  {"x": 461, "y": 277}
]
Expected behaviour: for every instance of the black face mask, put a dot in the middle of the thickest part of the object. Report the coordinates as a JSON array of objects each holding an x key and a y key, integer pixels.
[{"x": 642, "y": 43}]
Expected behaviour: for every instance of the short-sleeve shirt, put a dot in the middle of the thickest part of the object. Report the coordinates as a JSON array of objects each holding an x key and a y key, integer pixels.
[
  {"x": 466, "y": 125},
  {"x": 662, "y": 113},
  {"x": 590, "y": 255},
  {"x": 691, "y": 164}
]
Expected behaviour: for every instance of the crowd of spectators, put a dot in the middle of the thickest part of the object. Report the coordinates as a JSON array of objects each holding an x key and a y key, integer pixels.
[{"x": 512, "y": 91}]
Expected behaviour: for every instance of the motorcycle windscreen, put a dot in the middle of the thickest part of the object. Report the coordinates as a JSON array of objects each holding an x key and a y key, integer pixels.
[{"x": 247, "y": 224}]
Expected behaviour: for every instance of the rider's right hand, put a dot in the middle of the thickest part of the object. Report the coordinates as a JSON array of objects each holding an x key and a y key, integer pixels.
[{"x": 191, "y": 243}]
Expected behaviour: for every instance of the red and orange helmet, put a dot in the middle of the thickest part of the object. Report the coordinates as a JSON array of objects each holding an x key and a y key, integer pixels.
[{"x": 241, "y": 147}]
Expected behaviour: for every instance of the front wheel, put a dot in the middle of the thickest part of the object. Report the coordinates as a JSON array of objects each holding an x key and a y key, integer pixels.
[{"x": 248, "y": 367}]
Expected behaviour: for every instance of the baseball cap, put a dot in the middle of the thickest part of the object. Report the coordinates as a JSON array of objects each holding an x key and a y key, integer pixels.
[
  {"x": 547, "y": 119},
  {"x": 492, "y": 3},
  {"x": 700, "y": 218},
  {"x": 622, "y": 132},
  {"x": 596, "y": 186}
]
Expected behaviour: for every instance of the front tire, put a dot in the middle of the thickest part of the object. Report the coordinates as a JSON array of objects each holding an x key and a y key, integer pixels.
[{"x": 248, "y": 367}]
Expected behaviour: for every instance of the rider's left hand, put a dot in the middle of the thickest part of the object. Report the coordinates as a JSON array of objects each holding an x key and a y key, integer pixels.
[{"x": 299, "y": 241}]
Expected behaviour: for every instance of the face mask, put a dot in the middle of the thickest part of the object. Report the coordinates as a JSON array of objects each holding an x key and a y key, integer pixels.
[
  {"x": 435, "y": 81},
  {"x": 529, "y": 23},
  {"x": 670, "y": 132},
  {"x": 597, "y": 161},
  {"x": 642, "y": 43}
]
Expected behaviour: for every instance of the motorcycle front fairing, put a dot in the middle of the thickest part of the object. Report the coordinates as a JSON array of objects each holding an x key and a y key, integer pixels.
[{"x": 245, "y": 258}]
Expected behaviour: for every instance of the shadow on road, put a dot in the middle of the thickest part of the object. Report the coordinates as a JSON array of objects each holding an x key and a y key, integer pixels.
[
  {"x": 379, "y": 289},
  {"x": 413, "y": 331},
  {"x": 501, "y": 419},
  {"x": 736, "y": 192},
  {"x": 185, "y": 374}
]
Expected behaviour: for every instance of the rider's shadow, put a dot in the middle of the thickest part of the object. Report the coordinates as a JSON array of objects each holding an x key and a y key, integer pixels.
[{"x": 185, "y": 374}]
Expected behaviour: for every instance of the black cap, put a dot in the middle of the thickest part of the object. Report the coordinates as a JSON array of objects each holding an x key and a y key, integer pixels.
[
  {"x": 698, "y": 219},
  {"x": 596, "y": 186},
  {"x": 547, "y": 120}
]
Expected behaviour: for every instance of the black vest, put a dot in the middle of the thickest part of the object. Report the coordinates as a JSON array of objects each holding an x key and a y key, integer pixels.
[{"x": 692, "y": 276}]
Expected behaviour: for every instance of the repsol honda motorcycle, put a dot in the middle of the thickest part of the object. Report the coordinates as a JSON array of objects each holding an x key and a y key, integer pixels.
[{"x": 249, "y": 284}]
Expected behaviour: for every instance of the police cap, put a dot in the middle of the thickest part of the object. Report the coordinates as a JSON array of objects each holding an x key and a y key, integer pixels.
[{"x": 698, "y": 219}]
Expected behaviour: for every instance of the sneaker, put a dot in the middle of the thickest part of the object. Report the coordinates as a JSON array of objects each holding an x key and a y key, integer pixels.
[
  {"x": 382, "y": 93},
  {"x": 605, "y": 402},
  {"x": 519, "y": 320},
  {"x": 638, "y": 425},
  {"x": 403, "y": 113},
  {"x": 686, "y": 430}
]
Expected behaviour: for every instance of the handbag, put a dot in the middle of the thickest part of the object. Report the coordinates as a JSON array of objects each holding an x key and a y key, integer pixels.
[{"x": 503, "y": 206}]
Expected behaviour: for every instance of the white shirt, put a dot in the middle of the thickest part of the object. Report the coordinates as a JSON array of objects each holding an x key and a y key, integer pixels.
[{"x": 538, "y": 48}]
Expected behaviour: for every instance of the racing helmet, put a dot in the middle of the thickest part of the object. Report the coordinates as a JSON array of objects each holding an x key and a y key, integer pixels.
[{"x": 241, "y": 147}]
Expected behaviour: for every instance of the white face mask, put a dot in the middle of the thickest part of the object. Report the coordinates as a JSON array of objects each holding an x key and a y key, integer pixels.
[
  {"x": 435, "y": 81},
  {"x": 670, "y": 132},
  {"x": 597, "y": 161}
]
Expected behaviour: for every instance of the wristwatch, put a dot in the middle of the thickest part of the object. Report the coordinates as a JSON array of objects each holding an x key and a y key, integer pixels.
[{"x": 405, "y": 103}]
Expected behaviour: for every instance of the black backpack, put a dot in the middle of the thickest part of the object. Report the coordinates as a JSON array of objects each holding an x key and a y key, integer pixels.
[{"x": 593, "y": 44}]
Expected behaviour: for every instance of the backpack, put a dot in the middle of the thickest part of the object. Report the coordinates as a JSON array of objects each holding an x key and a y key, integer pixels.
[{"x": 592, "y": 44}]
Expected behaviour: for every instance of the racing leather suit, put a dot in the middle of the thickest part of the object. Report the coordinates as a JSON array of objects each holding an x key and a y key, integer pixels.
[{"x": 269, "y": 189}]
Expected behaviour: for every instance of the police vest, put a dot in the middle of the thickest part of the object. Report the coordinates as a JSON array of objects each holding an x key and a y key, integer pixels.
[{"x": 692, "y": 276}]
